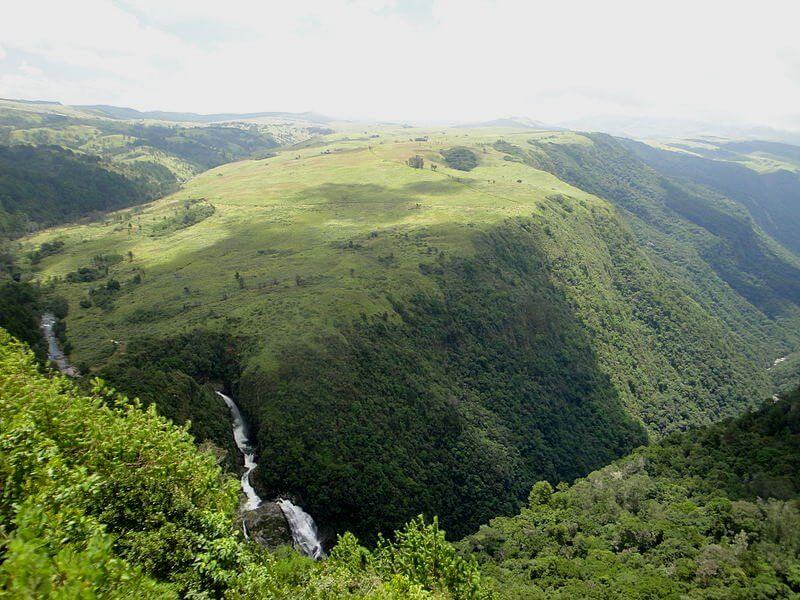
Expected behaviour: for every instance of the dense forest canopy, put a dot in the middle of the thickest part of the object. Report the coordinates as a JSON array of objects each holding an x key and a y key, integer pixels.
[
  {"x": 43, "y": 185},
  {"x": 712, "y": 513}
]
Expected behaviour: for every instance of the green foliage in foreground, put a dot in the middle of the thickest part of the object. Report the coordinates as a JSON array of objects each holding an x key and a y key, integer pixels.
[
  {"x": 77, "y": 468},
  {"x": 101, "y": 499},
  {"x": 668, "y": 521}
]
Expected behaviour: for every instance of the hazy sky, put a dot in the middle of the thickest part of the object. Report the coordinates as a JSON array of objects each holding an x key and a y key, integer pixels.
[{"x": 414, "y": 59}]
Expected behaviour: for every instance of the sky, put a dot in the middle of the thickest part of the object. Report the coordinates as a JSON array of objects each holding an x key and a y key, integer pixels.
[{"x": 413, "y": 60}]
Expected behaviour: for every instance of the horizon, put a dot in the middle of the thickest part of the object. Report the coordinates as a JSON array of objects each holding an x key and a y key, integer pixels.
[{"x": 636, "y": 127}]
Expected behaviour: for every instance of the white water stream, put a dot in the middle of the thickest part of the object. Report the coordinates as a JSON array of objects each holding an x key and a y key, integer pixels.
[
  {"x": 302, "y": 526},
  {"x": 54, "y": 352},
  {"x": 243, "y": 443},
  {"x": 304, "y": 530},
  {"x": 777, "y": 362}
]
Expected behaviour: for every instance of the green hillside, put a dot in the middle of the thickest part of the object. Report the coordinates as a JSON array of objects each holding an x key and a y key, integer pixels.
[
  {"x": 708, "y": 242},
  {"x": 716, "y": 228},
  {"x": 101, "y": 499},
  {"x": 712, "y": 513},
  {"x": 428, "y": 340},
  {"x": 49, "y": 184},
  {"x": 771, "y": 197},
  {"x": 64, "y": 162}
]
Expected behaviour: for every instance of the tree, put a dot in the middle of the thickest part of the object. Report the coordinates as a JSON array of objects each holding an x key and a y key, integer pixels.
[{"x": 416, "y": 162}]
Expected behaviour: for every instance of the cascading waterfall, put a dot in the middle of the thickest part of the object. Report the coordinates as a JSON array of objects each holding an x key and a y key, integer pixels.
[
  {"x": 301, "y": 525},
  {"x": 304, "y": 530},
  {"x": 243, "y": 443}
]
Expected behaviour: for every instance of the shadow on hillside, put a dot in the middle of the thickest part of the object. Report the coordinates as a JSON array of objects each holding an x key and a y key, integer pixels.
[
  {"x": 486, "y": 383},
  {"x": 479, "y": 390},
  {"x": 368, "y": 193}
]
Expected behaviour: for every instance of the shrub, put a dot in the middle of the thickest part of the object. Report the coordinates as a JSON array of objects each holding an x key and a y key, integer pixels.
[
  {"x": 416, "y": 162},
  {"x": 46, "y": 249},
  {"x": 460, "y": 158}
]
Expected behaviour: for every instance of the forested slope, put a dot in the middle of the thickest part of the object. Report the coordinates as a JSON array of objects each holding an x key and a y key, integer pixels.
[
  {"x": 712, "y": 513},
  {"x": 498, "y": 367},
  {"x": 47, "y": 185},
  {"x": 101, "y": 499},
  {"x": 720, "y": 232},
  {"x": 772, "y": 198}
]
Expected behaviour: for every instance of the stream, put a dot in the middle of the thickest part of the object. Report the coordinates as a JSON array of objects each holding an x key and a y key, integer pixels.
[
  {"x": 778, "y": 361},
  {"x": 302, "y": 526},
  {"x": 54, "y": 352}
]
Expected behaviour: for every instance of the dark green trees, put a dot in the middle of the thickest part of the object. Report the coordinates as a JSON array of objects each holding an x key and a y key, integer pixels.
[
  {"x": 460, "y": 158},
  {"x": 416, "y": 162}
]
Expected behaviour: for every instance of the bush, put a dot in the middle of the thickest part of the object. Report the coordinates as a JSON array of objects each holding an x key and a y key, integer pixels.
[
  {"x": 85, "y": 274},
  {"x": 45, "y": 249},
  {"x": 416, "y": 162},
  {"x": 104, "y": 468},
  {"x": 460, "y": 158},
  {"x": 194, "y": 211}
]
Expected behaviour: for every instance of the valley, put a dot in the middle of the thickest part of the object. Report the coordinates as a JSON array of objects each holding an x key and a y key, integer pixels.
[
  {"x": 409, "y": 340},
  {"x": 399, "y": 300}
]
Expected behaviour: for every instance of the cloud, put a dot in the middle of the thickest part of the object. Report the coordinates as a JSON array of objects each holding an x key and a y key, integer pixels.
[{"x": 424, "y": 59}]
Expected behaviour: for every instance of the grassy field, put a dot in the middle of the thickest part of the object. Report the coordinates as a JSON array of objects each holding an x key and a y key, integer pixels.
[{"x": 318, "y": 234}]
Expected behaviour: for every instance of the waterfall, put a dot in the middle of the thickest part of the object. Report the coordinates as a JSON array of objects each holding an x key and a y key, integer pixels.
[
  {"x": 304, "y": 530},
  {"x": 301, "y": 525},
  {"x": 243, "y": 443}
]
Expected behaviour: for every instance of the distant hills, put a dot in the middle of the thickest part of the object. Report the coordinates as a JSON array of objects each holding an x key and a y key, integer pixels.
[
  {"x": 511, "y": 123},
  {"x": 131, "y": 114},
  {"x": 145, "y": 155},
  {"x": 659, "y": 127},
  {"x": 117, "y": 112}
]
